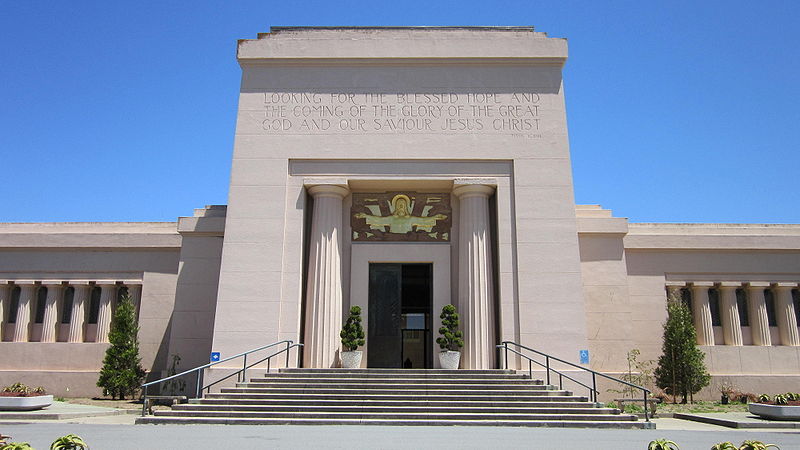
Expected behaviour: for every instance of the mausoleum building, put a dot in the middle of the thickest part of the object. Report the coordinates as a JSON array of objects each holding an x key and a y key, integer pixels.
[{"x": 400, "y": 170}]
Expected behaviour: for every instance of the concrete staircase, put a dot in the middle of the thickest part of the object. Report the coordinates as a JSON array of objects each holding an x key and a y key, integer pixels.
[{"x": 395, "y": 397}]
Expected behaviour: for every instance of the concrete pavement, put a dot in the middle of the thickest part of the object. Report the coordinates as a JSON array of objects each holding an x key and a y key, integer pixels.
[{"x": 107, "y": 433}]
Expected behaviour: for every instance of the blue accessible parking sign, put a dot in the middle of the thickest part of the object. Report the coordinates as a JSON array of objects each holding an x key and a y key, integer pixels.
[
  {"x": 214, "y": 356},
  {"x": 584, "y": 356}
]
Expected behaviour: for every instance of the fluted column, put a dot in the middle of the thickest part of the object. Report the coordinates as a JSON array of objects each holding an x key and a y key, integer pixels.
[
  {"x": 107, "y": 294},
  {"x": 26, "y": 296},
  {"x": 5, "y": 302},
  {"x": 475, "y": 290},
  {"x": 76, "y": 321},
  {"x": 701, "y": 313},
  {"x": 135, "y": 293},
  {"x": 757, "y": 308},
  {"x": 731, "y": 327},
  {"x": 787, "y": 319},
  {"x": 54, "y": 295},
  {"x": 324, "y": 289}
]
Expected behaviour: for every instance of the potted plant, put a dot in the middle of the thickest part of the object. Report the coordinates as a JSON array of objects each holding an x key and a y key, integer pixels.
[
  {"x": 19, "y": 397},
  {"x": 450, "y": 340},
  {"x": 69, "y": 442},
  {"x": 662, "y": 444},
  {"x": 352, "y": 337},
  {"x": 726, "y": 390}
]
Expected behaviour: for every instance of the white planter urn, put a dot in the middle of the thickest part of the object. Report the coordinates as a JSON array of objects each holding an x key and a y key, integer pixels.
[
  {"x": 449, "y": 359},
  {"x": 351, "y": 360},
  {"x": 25, "y": 403}
]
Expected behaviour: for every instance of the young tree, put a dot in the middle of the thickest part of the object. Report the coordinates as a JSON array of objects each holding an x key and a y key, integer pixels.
[
  {"x": 122, "y": 372},
  {"x": 681, "y": 370}
]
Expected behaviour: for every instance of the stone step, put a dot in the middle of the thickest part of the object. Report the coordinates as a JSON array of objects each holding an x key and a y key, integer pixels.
[
  {"x": 392, "y": 376},
  {"x": 449, "y": 396},
  {"x": 400, "y": 415},
  {"x": 453, "y": 408},
  {"x": 394, "y": 379},
  {"x": 359, "y": 402},
  {"x": 397, "y": 391},
  {"x": 383, "y": 384},
  {"x": 395, "y": 422},
  {"x": 403, "y": 372}
]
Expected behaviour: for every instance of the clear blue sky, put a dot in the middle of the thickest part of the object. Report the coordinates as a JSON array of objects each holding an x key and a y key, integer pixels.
[{"x": 678, "y": 111}]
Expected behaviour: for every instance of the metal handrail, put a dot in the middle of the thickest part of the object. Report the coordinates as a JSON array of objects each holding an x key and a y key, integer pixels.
[
  {"x": 592, "y": 389},
  {"x": 242, "y": 374},
  {"x": 201, "y": 369}
]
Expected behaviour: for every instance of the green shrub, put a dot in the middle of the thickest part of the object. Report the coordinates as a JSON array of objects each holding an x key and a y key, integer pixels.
[
  {"x": 122, "y": 372},
  {"x": 662, "y": 444},
  {"x": 755, "y": 445},
  {"x": 724, "y": 446},
  {"x": 69, "y": 442},
  {"x": 681, "y": 370},
  {"x": 781, "y": 400},
  {"x": 451, "y": 338},
  {"x": 764, "y": 398},
  {"x": 352, "y": 333}
]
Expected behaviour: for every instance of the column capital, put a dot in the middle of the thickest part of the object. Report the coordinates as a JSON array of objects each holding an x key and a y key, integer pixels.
[
  {"x": 52, "y": 284},
  {"x": 758, "y": 285},
  {"x": 702, "y": 284},
  {"x": 464, "y": 190},
  {"x": 328, "y": 190},
  {"x": 785, "y": 285},
  {"x": 675, "y": 284},
  {"x": 730, "y": 285}
]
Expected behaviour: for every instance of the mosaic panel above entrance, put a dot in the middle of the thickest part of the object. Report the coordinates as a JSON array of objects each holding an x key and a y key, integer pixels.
[{"x": 401, "y": 216}]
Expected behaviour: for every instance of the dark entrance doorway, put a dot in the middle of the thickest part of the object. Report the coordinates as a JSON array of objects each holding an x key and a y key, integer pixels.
[{"x": 400, "y": 297}]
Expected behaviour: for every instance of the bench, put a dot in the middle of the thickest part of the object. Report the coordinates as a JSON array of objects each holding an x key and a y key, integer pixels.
[
  {"x": 651, "y": 404},
  {"x": 167, "y": 400}
]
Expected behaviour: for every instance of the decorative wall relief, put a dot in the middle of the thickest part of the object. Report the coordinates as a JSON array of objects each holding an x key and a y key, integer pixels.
[{"x": 401, "y": 216}]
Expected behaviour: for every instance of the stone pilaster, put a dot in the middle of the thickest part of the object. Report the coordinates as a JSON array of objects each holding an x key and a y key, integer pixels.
[
  {"x": 757, "y": 308},
  {"x": 787, "y": 319},
  {"x": 76, "y": 321},
  {"x": 701, "y": 313},
  {"x": 55, "y": 292},
  {"x": 5, "y": 302},
  {"x": 26, "y": 299},
  {"x": 475, "y": 287},
  {"x": 324, "y": 288},
  {"x": 731, "y": 327},
  {"x": 107, "y": 295},
  {"x": 135, "y": 293}
]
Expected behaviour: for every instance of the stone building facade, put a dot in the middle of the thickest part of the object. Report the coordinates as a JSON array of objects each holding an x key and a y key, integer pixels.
[{"x": 399, "y": 169}]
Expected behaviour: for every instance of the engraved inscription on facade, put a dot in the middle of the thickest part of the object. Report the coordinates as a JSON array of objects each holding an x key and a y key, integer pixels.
[
  {"x": 401, "y": 216},
  {"x": 446, "y": 112}
]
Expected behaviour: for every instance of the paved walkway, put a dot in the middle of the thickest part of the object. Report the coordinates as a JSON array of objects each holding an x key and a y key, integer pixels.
[
  {"x": 118, "y": 432},
  {"x": 109, "y": 428}
]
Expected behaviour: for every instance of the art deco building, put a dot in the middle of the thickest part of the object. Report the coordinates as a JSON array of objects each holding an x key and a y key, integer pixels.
[{"x": 399, "y": 169}]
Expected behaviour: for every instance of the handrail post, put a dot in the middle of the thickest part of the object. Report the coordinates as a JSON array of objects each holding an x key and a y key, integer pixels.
[
  {"x": 244, "y": 369},
  {"x": 199, "y": 385},
  {"x": 594, "y": 386},
  {"x": 560, "y": 381},
  {"x": 547, "y": 367},
  {"x": 287, "y": 354},
  {"x": 530, "y": 369},
  {"x": 144, "y": 402},
  {"x": 646, "y": 415},
  {"x": 269, "y": 360},
  {"x": 505, "y": 346}
]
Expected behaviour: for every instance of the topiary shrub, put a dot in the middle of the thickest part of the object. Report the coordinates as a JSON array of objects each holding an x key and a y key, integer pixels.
[
  {"x": 352, "y": 333},
  {"x": 451, "y": 338}
]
